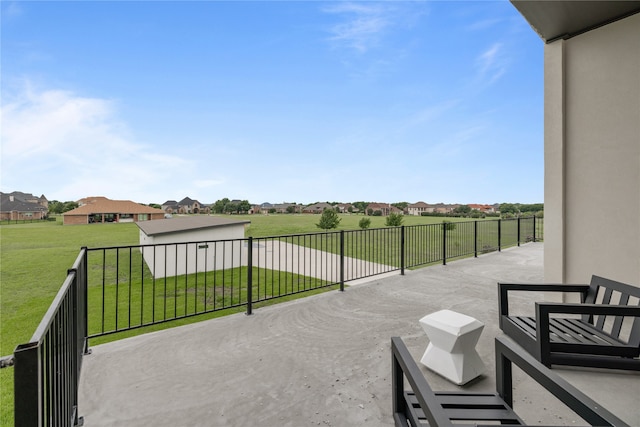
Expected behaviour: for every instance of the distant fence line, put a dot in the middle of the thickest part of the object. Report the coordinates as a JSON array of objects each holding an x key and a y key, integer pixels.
[
  {"x": 25, "y": 221},
  {"x": 110, "y": 290}
]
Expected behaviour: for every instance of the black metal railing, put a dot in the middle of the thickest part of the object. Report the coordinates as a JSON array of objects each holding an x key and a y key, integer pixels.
[
  {"x": 131, "y": 287},
  {"x": 47, "y": 369},
  {"x": 110, "y": 290}
]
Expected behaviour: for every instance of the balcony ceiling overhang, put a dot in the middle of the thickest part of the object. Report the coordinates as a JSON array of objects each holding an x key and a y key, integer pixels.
[{"x": 563, "y": 19}]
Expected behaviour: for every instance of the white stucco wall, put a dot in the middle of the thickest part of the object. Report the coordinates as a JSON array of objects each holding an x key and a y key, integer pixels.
[
  {"x": 592, "y": 155},
  {"x": 188, "y": 252}
]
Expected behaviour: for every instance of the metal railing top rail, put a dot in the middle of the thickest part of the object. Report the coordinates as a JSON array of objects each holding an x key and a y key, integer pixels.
[{"x": 281, "y": 236}]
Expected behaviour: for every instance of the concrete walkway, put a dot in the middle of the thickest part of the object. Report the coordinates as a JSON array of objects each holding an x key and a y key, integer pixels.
[
  {"x": 322, "y": 360},
  {"x": 283, "y": 256}
]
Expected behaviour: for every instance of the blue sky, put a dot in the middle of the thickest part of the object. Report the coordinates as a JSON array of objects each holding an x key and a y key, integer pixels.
[{"x": 272, "y": 101}]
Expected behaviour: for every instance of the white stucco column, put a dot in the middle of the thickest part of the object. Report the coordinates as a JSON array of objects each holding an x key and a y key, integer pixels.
[{"x": 554, "y": 162}]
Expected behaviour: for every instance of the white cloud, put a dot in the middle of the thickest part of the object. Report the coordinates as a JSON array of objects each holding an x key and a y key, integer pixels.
[
  {"x": 11, "y": 10},
  {"x": 361, "y": 28},
  {"x": 491, "y": 64},
  {"x": 362, "y": 24},
  {"x": 68, "y": 146}
]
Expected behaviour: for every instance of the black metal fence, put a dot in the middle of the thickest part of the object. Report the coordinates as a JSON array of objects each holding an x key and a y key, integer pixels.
[
  {"x": 47, "y": 369},
  {"x": 115, "y": 289},
  {"x": 136, "y": 286},
  {"x": 25, "y": 221}
]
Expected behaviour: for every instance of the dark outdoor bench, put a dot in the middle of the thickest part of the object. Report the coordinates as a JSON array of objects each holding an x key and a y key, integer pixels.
[
  {"x": 605, "y": 335},
  {"x": 421, "y": 406}
]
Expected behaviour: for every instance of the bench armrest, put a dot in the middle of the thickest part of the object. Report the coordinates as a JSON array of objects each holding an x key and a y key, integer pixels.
[
  {"x": 403, "y": 366},
  {"x": 507, "y": 353},
  {"x": 543, "y": 309},
  {"x": 504, "y": 288}
]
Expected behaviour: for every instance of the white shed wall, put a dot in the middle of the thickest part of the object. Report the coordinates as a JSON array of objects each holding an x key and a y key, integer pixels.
[{"x": 194, "y": 251}]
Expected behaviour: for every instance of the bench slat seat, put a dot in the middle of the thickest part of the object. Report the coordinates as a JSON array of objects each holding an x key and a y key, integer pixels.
[
  {"x": 421, "y": 406},
  {"x": 606, "y": 335},
  {"x": 467, "y": 407}
]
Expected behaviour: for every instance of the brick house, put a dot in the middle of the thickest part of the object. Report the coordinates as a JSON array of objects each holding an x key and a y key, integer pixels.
[
  {"x": 418, "y": 208},
  {"x": 185, "y": 206},
  {"x": 101, "y": 210},
  {"x": 317, "y": 208},
  {"x": 22, "y": 206},
  {"x": 384, "y": 208}
]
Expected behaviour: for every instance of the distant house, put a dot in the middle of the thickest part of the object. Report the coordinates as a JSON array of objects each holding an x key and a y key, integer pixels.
[
  {"x": 286, "y": 207},
  {"x": 317, "y": 208},
  {"x": 441, "y": 208},
  {"x": 418, "y": 208},
  {"x": 384, "y": 208},
  {"x": 185, "y": 206},
  {"x": 344, "y": 207},
  {"x": 265, "y": 207},
  {"x": 22, "y": 206},
  {"x": 483, "y": 208},
  {"x": 101, "y": 210},
  {"x": 187, "y": 245}
]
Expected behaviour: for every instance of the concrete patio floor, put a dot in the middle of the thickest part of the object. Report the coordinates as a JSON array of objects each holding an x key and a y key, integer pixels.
[{"x": 324, "y": 360}]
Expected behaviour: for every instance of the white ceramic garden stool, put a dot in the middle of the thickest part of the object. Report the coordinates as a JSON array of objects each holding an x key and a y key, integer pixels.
[{"x": 452, "y": 348}]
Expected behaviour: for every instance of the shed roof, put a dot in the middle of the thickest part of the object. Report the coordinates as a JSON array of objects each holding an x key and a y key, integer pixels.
[{"x": 187, "y": 223}]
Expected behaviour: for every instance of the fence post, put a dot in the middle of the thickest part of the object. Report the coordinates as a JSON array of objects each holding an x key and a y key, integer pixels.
[
  {"x": 250, "y": 277},
  {"x": 518, "y": 230},
  {"x": 444, "y": 243},
  {"x": 77, "y": 346},
  {"x": 534, "y": 228},
  {"x": 475, "y": 238},
  {"x": 84, "y": 288},
  {"x": 499, "y": 234},
  {"x": 27, "y": 384},
  {"x": 341, "y": 260},
  {"x": 402, "y": 249}
]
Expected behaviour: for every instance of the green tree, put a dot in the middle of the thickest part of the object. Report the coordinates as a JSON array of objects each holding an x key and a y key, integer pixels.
[
  {"x": 291, "y": 209},
  {"x": 329, "y": 220},
  {"x": 219, "y": 205},
  {"x": 244, "y": 206},
  {"x": 230, "y": 208},
  {"x": 361, "y": 206},
  {"x": 462, "y": 210},
  {"x": 55, "y": 207},
  {"x": 400, "y": 205},
  {"x": 508, "y": 208},
  {"x": 535, "y": 207},
  {"x": 155, "y": 205},
  {"x": 365, "y": 223},
  {"x": 394, "y": 220}
]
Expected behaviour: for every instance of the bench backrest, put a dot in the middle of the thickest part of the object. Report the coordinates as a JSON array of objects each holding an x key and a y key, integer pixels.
[{"x": 607, "y": 291}]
